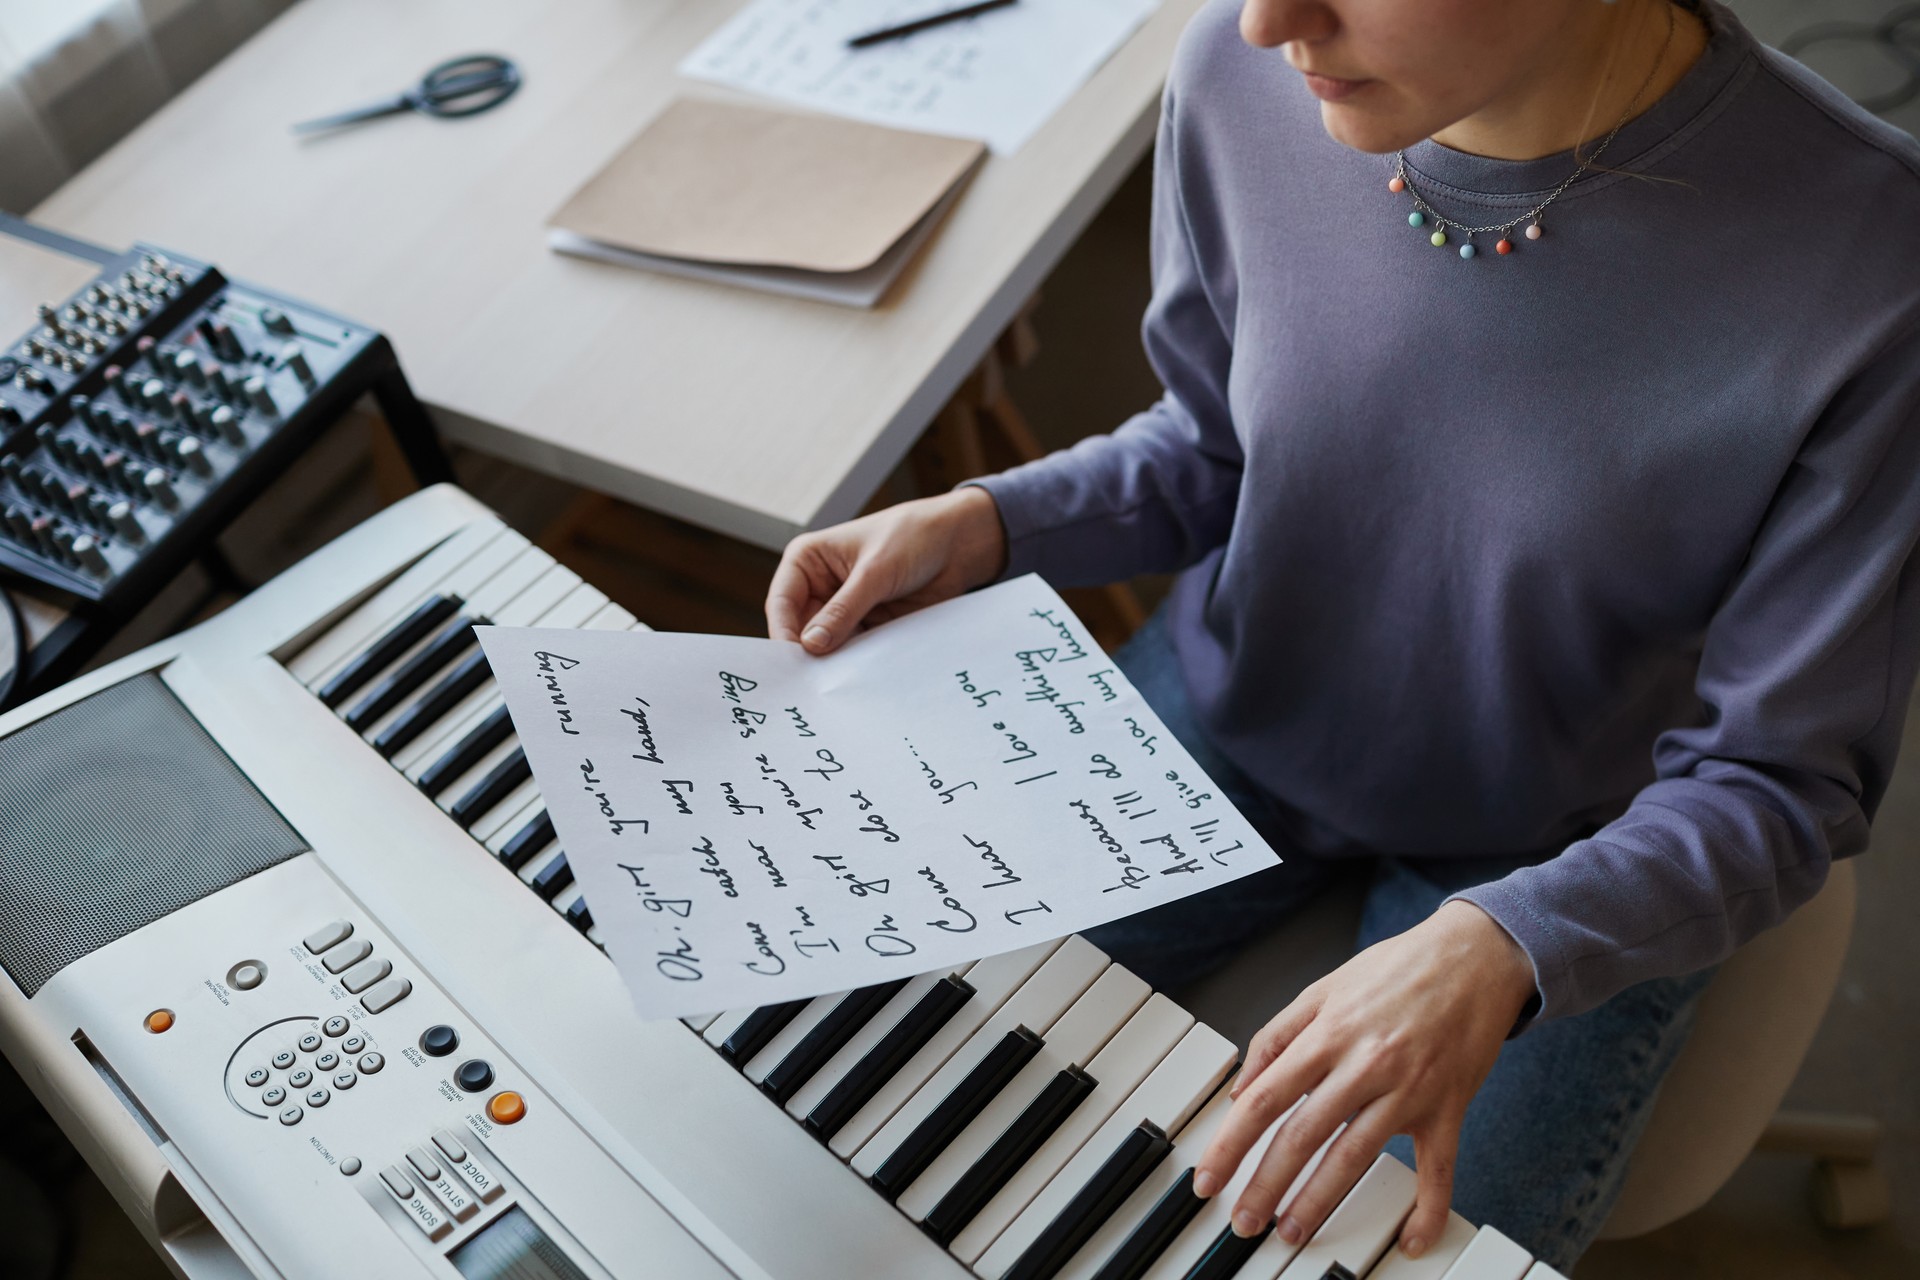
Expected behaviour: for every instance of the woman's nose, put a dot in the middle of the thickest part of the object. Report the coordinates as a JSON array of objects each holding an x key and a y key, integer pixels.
[{"x": 1268, "y": 24}]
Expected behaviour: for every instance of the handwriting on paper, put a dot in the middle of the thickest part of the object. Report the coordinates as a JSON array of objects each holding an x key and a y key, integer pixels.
[{"x": 751, "y": 825}]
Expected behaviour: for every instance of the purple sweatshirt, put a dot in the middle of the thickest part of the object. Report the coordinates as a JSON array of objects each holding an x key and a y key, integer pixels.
[{"x": 1601, "y": 549}]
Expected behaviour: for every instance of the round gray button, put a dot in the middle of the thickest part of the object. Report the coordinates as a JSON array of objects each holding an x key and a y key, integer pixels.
[
  {"x": 350, "y": 1166},
  {"x": 309, "y": 1042},
  {"x": 301, "y": 1078},
  {"x": 326, "y": 1062},
  {"x": 283, "y": 1059},
  {"x": 335, "y": 1026},
  {"x": 345, "y": 1080},
  {"x": 370, "y": 1063},
  {"x": 291, "y": 1115},
  {"x": 353, "y": 1044},
  {"x": 274, "y": 1096},
  {"x": 318, "y": 1098},
  {"x": 246, "y": 976},
  {"x": 257, "y": 1077}
]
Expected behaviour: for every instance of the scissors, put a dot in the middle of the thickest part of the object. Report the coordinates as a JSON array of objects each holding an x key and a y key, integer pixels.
[{"x": 463, "y": 86}]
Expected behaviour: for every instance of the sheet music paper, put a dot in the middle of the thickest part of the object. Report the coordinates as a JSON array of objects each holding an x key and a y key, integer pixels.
[
  {"x": 751, "y": 824},
  {"x": 996, "y": 77}
]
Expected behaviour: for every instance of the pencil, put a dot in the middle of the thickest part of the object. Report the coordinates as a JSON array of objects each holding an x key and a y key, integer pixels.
[{"x": 921, "y": 24}]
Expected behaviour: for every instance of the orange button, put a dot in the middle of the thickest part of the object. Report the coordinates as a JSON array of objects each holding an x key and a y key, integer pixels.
[
  {"x": 507, "y": 1107},
  {"x": 159, "y": 1020}
]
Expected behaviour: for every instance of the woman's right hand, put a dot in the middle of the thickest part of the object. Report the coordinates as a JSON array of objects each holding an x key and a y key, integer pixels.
[{"x": 835, "y": 583}]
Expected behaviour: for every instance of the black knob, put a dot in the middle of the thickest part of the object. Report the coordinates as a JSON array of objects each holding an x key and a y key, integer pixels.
[
  {"x": 474, "y": 1075},
  {"x": 441, "y": 1040}
]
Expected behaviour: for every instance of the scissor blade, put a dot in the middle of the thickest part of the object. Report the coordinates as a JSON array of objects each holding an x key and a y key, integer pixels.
[{"x": 386, "y": 107}]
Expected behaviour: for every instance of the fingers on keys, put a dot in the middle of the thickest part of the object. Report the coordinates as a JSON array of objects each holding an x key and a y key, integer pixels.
[{"x": 1434, "y": 1149}]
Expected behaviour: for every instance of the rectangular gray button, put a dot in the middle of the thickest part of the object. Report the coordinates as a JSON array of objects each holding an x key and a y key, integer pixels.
[
  {"x": 364, "y": 975},
  {"x": 338, "y": 958},
  {"x": 387, "y": 994},
  {"x": 450, "y": 1145},
  {"x": 397, "y": 1182},
  {"x": 327, "y": 935}
]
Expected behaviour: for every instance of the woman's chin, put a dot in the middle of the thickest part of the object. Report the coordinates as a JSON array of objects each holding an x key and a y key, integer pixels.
[{"x": 1356, "y": 126}]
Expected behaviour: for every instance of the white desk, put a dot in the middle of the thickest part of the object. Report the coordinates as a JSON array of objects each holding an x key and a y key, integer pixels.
[{"x": 754, "y": 415}]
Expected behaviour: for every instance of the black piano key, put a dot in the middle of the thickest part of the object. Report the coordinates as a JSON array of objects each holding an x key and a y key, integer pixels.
[
  {"x": 828, "y": 1037},
  {"x": 761, "y": 1026},
  {"x": 470, "y": 674},
  {"x": 379, "y": 655},
  {"x": 492, "y": 789},
  {"x": 955, "y": 1111},
  {"x": 526, "y": 842},
  {"x": 1116, "y": 1178},
  {"x": 1013, "y": 1148},
  {"x": 467, "y": 752},
  {"x": 1146, "y": 1242},
  {"x": 552, "y": 878},
  {"x": 1226, "y": 1255},
  {"x": 904, "y": 1039},
  {"x": 1338, "y": 1271},
  {"x": 578, "y": 916},
  {"x": 412, "y": 675}
]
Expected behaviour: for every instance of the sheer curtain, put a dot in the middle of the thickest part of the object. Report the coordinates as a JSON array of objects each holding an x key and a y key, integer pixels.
[{"x": 76, "y": 75}]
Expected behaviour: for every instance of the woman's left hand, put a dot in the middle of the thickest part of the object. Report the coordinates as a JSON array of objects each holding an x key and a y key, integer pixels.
[{"x": 1397, "y": 1040}]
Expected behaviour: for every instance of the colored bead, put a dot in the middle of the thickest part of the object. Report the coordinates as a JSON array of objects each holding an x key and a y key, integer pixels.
[
  {"x": 1533, "y": 232},
  {"x": 1396, "y": 184},
  {"x": 1438, "y": 238},
  {"x": 1467, "y": 251},
  {"x": 1505, "y": 246},
  {"x": 1416, "y": 218}
]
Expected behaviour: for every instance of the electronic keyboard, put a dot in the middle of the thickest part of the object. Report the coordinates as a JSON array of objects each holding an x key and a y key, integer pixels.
[{"x": 297, "y": 960}]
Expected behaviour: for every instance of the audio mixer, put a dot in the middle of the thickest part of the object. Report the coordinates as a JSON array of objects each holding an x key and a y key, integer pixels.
[{"x": 143, "y": 412}]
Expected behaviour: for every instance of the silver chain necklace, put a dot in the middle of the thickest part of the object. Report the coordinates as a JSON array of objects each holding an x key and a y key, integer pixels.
[{"x": 1424, "y": 213}]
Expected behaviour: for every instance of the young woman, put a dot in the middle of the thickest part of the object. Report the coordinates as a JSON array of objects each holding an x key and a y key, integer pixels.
[{"x": 1549, "y": 554}]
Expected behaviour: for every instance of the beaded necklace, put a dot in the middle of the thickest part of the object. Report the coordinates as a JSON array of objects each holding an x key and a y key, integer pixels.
[{"x": 1424, "y": 212}]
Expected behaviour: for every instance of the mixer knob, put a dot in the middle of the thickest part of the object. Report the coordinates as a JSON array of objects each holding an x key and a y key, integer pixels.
[
  {"x": 276, "y": 321},
  {"x": 9, "y": 416},
  {"x": 160, "y": 485},
  {"x": 121, "y": 519},
  {"x": 192, "y": 456},
  {"x": 187, "y": 365},
  {"x": 82, "y": 408},
  {"x": 153, "y": 393},
  {"x": 180, "y": 406},
  {"x": 110, "y": 424},
  {"x": 111, "y": 374},
  {"x": 227, "y": 424},
  {"x": 146, "y": 438},
  {"x": 86, "y": 549},
  {"x": 292, "y": 357},
  {"x": 77, "y": 498},
  {"x": 259, "y": 396},
  {"x": 42, "y": 533},
  {"x": 113, "y": 470}
]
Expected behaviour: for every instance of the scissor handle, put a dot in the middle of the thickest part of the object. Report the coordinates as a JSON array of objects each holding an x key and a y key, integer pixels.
[{"x": 466, "y": 86}]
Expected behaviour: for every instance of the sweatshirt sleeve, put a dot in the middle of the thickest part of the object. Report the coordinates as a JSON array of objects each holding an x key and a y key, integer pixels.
[
  {"x": 1805, "y": 673},
  {"x": 1158, "y": 493}
]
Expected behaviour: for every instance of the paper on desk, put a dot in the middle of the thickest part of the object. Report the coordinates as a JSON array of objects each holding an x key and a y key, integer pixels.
[
  {"x": 753, "y": 825},
  {"x": 996, "y": 77}
]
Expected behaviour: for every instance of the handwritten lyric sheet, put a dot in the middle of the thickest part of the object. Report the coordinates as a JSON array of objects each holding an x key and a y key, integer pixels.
[
  {"x": 996, "y": 77},
  {"x": 750, "y": 824}
]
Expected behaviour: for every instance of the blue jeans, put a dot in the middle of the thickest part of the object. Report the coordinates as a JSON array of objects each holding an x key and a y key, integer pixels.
[{"x": 1545, "y": 1144}]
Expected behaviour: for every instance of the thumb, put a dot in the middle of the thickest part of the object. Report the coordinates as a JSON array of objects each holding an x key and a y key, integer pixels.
[{"x": 840, "y": 617}]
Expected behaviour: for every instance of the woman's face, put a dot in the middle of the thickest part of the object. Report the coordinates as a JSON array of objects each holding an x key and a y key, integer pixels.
[{"x": 1391, "y": 72}]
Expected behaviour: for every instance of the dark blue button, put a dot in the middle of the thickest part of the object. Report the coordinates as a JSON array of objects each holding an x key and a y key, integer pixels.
[
  {"x": 474, "y": 1075},
  {"x": 439, "y": 1041}
]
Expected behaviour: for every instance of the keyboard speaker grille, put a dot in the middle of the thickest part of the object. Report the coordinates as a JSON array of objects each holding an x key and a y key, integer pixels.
[{"x": 115, "y": 812}]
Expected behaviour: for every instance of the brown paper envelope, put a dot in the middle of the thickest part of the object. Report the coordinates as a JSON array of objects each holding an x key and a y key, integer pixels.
[{"x": 719, "y": 182}]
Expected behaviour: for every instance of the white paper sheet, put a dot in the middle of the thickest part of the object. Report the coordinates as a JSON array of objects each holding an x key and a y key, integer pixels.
[
  {"x": 750, "y": 824},
  {"x": 996, "y": 77}
]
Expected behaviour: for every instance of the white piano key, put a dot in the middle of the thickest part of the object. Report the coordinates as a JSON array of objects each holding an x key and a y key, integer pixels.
[
  {"x": 700, "y": 1021},
  {"x": 790, "y": 1035},
  {"x": 1362, "y": 1226},
  {"x": 1037, "y": 1005},
  {"x": 863, "y": 1042},
  {"x": 1134, "y": 1051},
  {"x": 1490, "y": 1256},
  {"x": 460, "y": 580},
  {"x": 1541, "y": 1271},
  {"x": 538, "y": 862},
  {"x": 362, "y": 625},
  {"x": 1113, "y": 1232},
  {"x": 726, "y": 1024},
  {"x": 1433, "y": 1264},
  {"x": 1216, "y": 1214},
  {"x": 1168, "y": 1097},
  {"x": 578, "y": 610},
  {"x": 1081, "y": 1032},
  {"x": 522, "y": 800},
  {"x": 508, "y": 602},
  {"x": 993, "y": 980},
  {"x": 506, "y": 831}
]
